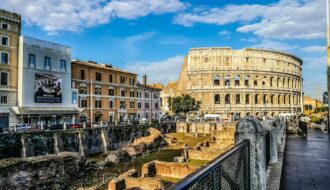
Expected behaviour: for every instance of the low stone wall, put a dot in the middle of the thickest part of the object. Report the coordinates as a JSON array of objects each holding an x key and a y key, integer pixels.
[
  {"x": 203, "y": 127},
  {"x": 43, "y": 172},
  {"x": 86, "y": 141},
  {"x": 167, "y": 169}
]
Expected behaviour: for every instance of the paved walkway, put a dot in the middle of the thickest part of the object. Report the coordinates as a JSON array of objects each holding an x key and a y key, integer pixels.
[{"x": 306, "y": 163}]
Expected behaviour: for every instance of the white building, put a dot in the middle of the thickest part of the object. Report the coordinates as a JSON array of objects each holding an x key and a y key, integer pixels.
[
  {"x": 148, "y": 101},
  {"x": 45, "y": 95}
]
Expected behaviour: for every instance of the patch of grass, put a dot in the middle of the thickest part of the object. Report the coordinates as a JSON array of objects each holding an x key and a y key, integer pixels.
[
  {"x": 169, "y": 179},
  {"x": 198, "y": 163},
  {"x": 190, "y": 141}
]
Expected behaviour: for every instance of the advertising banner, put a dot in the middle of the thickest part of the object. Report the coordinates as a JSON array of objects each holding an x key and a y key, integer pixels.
[{"x": 48, "y": 88}]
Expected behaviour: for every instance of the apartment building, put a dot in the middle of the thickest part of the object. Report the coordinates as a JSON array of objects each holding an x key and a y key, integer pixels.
[
  {"x": 45, "y": 96},
  {"x": 106, "y": 93},
  {"x": 10, "y": 30}
]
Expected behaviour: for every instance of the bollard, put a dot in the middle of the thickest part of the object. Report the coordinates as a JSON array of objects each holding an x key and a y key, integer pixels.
[{"x": 251, "y": 129}]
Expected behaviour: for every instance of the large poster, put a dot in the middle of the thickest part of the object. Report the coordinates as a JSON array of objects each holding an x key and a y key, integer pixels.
[{"x": 48, "y": 88}]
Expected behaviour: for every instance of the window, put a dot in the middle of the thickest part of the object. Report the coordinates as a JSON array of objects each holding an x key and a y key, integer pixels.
[
  {"x": 98, "y": 76},
  {"x": 83, "y": 103},
  {"x": 132, "y": 81},
  {"x": 146, "y": 95},
  {"x": 98, "y": 103},
  {"x": 146, "y": 105},
  {"x": 111, "y": 104},
  {"x": 246, "y": 80},
  {"x": 238, "y": 99},
  {"x": 5, "y": 26},
  {"x": 110, "y": 79},
  {"x": 97, "y": 90},
  {"x": 4, "y": 79},
  {"x": 156, "y": 105},
  {"x": 82, "y": 74},
  {"x": 139, "y": 105},
  {"x": 63, "y": 65},
  {"x": 227, "y": 99},
  {"x": 132, "y": 94},
  {"x": 4, "y": 40},
  {"x": 122, "y": 105},
  {"x": 272, "y": 99},
  {"x": 217, "y": 99},
  {"x": 247, "y": 99},
  {"x": 237, "y": 79},
  {"x": 265, "y": 99},
  {"x": 4, "y": 58},
  {"x": 111, "y": 92},
  {"x": 255, "y": 82},
  {"x": 155, "y": 96},
  {"x": 82, "y": 89},
  {"x": 47, "y": 63},
  {"x": 122, "y": 79},
  {"x": 216, "y": 81},
  {"x": 271, "y": 81},
  {"x": 122, "y": 93},
  {"x": 256, "y": 99},
  {"x": 32, "y": 60},
  {"x": 131, "y": 105},
  {"x": 3, "y": 100}
]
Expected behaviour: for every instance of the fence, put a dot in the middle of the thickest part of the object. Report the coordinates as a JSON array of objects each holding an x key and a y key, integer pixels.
[{"x": 228, "y": 171}]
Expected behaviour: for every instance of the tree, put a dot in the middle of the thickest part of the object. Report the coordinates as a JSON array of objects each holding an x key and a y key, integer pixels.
[{"x": 183, "y": 104}]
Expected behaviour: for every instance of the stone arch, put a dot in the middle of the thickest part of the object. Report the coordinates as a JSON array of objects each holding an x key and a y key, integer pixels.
[
  {"x": 273, "y": 114},
  {"x": 227, "y": 99},
  {"x": 271, "y": 79},
  {"x": 264, "y": 99},
  {"x": 216, "y": 80},
  {"x": 283, "y": 84},
  {"x": 237, "y": 99},
  {"x": 246, "y": 80},
  {"x": 237, "y": 79},
  {"x": 247, "y": 98},
  {"x": 217, "y": 99},
  {"x": 227, "y": 80},
  {"x": 278, "y": 82},
  {"x": 272, "y": 99},
  {"x": 256, "y": 99}
]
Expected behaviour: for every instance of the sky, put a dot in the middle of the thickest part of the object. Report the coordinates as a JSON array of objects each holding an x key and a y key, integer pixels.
[{"x": 153, "y": 36}]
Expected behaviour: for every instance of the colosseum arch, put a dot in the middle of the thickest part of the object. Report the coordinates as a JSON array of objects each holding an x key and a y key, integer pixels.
[
  {"x": 227, "y": 80},
  {"x": 237, "y": 79},
  {"x": 272, "y": 99},
  {"x": 217, "y": 99},
  {"x": 271, "y": 79},
  {"x": 216, "y": 80},
  {"x": 246, "y": 80},
  {"x": 227, "y": 99},
  {"x": 264, "y": 99},
  {"x": 283, "y": 84},
  {"x": 237, "y": 99},
  {"x": 247, "y": 98},
  {"x": 278, "y": 82},
  {"x": 288, "y": 83},
  {"x": 256, "y": 99}
]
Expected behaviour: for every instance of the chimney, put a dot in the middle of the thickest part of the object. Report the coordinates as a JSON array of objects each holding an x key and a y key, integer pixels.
[{"x": 144, "y": 79}]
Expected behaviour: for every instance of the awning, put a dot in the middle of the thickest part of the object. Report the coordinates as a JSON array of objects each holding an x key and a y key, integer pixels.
[{"x": 45, "y": 110}]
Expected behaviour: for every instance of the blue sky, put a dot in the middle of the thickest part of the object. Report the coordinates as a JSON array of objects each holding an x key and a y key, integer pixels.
[{"x": 152, "y": 36}]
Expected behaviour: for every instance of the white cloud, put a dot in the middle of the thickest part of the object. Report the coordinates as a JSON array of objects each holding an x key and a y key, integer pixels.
[
  {"x": 75, "y": 15},
  {"x": 314, "y": 48},
  {"x": 159, "y": 71},
  {"x": 275, "y": 45},
  {"x": 287, "y": 19},
  {"x": 224, "y": 32}
]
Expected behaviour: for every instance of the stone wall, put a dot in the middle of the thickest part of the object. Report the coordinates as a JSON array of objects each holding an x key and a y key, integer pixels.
[
  {"x": 86, "y": 141},
  {"x": 203, "y": 127},
  {"x": 43, "y": 172}
]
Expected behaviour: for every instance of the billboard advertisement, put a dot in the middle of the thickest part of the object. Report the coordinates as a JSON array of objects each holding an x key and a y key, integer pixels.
[{"x": 48, "y": 88}]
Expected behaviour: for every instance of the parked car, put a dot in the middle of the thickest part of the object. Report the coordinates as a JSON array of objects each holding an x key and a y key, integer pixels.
[
  {"x": 75, "y": 126},
  {"x": 56, "y": 127},
  {"x": 23, "y": 128}
]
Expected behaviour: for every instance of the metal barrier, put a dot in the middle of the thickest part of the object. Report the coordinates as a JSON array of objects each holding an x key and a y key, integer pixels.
[{"x": 230, "y": 170}]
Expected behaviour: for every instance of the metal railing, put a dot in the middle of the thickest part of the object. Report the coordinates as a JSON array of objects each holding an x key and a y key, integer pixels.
[{"x": 230, "y": 170}]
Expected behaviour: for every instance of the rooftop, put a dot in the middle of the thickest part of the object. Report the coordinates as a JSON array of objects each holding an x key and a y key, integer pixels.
[{"x": 101, "y": 66}]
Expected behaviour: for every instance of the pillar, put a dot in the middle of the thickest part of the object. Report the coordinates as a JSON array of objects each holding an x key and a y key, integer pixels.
[{"x": 251, "y": 129}]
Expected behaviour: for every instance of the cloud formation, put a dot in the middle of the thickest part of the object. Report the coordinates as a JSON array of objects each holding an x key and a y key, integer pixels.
[
  {"x": 159, "y": 71},
  {"x": 287, "y": 19},
  {"x": 75, "y": 15}
]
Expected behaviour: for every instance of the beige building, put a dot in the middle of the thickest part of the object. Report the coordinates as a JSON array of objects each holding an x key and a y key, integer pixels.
[
  {"x": 246, "y": 81},
  {"x": 10, "y": 30}
]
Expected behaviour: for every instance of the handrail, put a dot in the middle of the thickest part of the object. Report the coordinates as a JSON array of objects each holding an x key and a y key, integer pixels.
[{"x": 189, "y": 180}]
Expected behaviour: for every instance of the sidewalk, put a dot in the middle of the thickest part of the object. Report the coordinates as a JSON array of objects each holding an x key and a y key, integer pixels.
[{"x": 306, "y": 163}]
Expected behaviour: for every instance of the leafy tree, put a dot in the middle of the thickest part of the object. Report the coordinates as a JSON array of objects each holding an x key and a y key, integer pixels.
[{"x": 183, "y": 104}]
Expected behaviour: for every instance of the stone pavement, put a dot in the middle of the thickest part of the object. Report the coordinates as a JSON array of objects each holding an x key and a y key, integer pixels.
[{"x": 306, "y": 163}]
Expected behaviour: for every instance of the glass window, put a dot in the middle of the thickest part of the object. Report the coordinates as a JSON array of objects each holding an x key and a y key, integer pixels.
[
  {"x": 83, "y": 103},
  {"x": 47, "y": 63},
  {"x": 131, "y": 104},
  {"x": 4, "y": 58},
  {"x": 139, "y": 105},
  {"x": 4, "y": 41},
  {"x": 4, "y": 79},
  {"x": 122, "y": 105},
  {"x": 32, "y": 60},
  {"x": 63, "y": 65},
  {"x": 82, "y": 89},
  {"x": 110, "y": 78},
  {"x": 156, "y": 105},
  {"x": 122, "y": 92},
  {"x": 98, "y": 103},
  {"x": 111, "y": 92},
  {"x": 97, "y": 90},
  {"x": 82, "y": 74},
  {"x": 98, "y": 76},
  {"x": 5, "y": 26},
  {"x": 111, "y": 104},
  {"x": 146, "y": 105},
  {"x": 3, "y": 100}
]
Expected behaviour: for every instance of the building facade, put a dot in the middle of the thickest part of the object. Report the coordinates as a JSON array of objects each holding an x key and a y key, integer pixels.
[
  {"x": 10, "y": 30},
  {"x": 45, "y": 96},
  {"x": 241, "y": 82}
]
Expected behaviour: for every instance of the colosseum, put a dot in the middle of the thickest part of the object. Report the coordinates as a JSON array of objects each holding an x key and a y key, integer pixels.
[{"x": 247, "y": 81}]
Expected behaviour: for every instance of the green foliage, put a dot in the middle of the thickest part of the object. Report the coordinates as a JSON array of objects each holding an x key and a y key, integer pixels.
[
  {"x": 183, "y": 104},
  {"x": 316, "y": 120}
]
